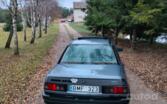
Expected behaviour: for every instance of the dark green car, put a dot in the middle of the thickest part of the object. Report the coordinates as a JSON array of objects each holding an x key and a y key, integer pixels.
[{"x": 89, "y": 72}]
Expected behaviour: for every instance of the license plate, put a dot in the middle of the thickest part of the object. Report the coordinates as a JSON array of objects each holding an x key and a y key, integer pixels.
[{"x": 83, "y": 89}]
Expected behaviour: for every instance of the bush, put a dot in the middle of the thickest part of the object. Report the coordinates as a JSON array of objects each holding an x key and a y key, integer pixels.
[
  {"x": 3, "y": 13},
  {"x": 7, "y": 27},
  {"x": 8, "y": 24}
]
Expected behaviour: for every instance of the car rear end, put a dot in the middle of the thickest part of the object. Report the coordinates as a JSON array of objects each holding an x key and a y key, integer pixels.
[
  {"x": 89, "y": 72},
  {"x": 86, "y": 91}
]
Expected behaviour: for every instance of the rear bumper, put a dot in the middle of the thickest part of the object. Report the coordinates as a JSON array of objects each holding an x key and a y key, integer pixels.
[{"x": 82, "y": 99}]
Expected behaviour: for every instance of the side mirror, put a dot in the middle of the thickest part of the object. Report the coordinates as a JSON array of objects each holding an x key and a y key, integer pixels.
[{"x": 120, "y": 49}]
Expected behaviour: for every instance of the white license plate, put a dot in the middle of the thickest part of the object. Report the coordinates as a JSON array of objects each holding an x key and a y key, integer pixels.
[{"x": 83, "y": 89}]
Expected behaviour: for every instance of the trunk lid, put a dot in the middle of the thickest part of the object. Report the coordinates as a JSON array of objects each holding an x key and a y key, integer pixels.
[{"x": 113, "y": 71}]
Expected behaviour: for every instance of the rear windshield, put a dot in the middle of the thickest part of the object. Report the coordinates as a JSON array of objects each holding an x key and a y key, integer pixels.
[{"x": 89, "y": 54}]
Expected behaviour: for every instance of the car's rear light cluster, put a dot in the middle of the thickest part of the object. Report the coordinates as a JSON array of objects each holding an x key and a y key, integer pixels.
[
  {"x": 55, "y": 87},
  {"x": 114, "y": 90},
  {"x": 118, "y": 90}
]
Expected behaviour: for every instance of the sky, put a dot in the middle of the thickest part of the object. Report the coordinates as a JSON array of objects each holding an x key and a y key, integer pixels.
[
  {"x": 63, "y": 3},
  {"x": 67, "y": 3}
]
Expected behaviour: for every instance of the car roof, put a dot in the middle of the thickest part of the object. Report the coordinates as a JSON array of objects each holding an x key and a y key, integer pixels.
[{"x": 91, "y": 41}]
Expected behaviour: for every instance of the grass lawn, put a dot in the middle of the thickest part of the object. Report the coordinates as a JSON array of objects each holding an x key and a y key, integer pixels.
[
  {"x": 81, "y": 28},
  {"x": 16, "y": 71}
]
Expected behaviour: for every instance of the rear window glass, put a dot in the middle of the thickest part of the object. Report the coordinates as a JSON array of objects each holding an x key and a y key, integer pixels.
[{"x": 89, "y": 54}]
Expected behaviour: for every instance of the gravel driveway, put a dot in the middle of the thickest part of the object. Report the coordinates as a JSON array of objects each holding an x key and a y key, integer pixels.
[{"x": 140, "y": 93}]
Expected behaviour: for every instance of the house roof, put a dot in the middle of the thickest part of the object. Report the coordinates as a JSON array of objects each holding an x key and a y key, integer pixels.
[{"x": 79, "y": 5}]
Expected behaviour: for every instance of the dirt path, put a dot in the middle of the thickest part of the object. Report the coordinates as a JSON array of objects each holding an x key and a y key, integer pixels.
[
  {"x": 140, "y": 93},
  {"x": 34, "y": 91}
]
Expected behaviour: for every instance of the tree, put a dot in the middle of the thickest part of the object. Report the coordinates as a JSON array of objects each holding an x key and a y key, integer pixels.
[
  {"x": 22, "y": 4},
  {"x": 145, "y": 19},
  {"x": 46, "y": 18},
  {"x": 3, "y": 13},
  {"x": 50, "y": 10},
  {"x": 8, "y": 21},
  {"x": 97, "y": 18},
  {"x": 118, "y": 10},
  {"x": 65, "y": 12},
  {"x": 163, "y": 16},
  {"x": 33, "y": 20},
  {"x": 106, "y": 15},
  {"x": 8, "y": 27},
  {"x": 13, "y": 9},
  {"x": 39, "y": 16},
  {"x": 139, "y": 18},
  {"x": 39, "y": 12}
]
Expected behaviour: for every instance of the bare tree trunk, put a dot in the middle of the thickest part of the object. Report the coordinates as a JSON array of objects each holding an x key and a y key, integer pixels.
[
  {"x": 16, "y": 46},
  {"x": 96, "y": 31},
  {"x": 33, "y": 24},
  {"x": 131, "y": 38},
  {"x": 152, "y": 39},
  {"x": 46, "y": 24},
  {"x": 33, "y": 33},
  {"x": 14, "y": 19},
  {"x": 116, "y": 36},
  {"x": 40, "y": 27},
  {"x": 110, "y": 35},
  {"x": 25, "y": 32},
  {"x": 131, "y": 35},
  {"x": 24, "y": 27},
  {"x": 9, "y": 38},
  {"x": 102, "y": 30},
  {"x": 24, "y": 20},
  {"x": 133, "y": 43}
]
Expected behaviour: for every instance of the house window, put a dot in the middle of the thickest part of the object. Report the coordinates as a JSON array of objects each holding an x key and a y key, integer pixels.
[{"x": 83, "y": 9}]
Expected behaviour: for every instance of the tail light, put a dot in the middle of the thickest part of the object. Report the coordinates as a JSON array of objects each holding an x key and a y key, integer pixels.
[
  {"x": 51, "y": 86},
  {"x": 118, "y": 90},
  {"x": 115, "y": 90},
  {"x": 55, "y": 87}
]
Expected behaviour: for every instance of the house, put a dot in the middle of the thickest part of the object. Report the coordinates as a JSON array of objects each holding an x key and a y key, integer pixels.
[{"x": 79, "y": 11}]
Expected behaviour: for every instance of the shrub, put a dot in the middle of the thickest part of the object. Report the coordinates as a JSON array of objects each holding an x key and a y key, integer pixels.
[
  {"x": 7, "y": 27},
  {"x": 8, "y": 24}
]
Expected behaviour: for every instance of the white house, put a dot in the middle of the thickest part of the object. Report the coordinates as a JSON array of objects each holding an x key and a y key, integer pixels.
[{"x": 79, "y": 11}]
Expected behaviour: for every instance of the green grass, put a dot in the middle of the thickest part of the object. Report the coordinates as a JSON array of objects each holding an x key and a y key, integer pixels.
[
  {"x": 16, "y": 71},
  {"x": 81, "y": 28}
]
